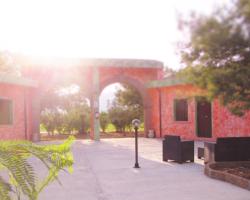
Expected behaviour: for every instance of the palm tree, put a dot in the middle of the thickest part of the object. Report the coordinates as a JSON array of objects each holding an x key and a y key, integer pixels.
[{"x": 22, "y": 178}]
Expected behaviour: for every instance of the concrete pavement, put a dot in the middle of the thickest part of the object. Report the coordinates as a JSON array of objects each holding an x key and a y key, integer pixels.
[{"x": 104, "y": 171}]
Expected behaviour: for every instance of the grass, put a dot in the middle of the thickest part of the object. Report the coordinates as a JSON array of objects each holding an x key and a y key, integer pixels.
[
  {"x": 42, "y": 129},
  {"x": 111, "y": 128},
  {"x": 109, "y": 133}
]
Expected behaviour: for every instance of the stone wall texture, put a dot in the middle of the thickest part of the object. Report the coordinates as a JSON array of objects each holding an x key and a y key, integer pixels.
[
  {"x": 20, "y": 96},
  {"x": 224, "y": 124},
  {"x": 93, "y": 76}
]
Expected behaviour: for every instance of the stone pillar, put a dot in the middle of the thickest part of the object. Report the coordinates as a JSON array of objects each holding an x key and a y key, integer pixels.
[
  {"x": 94, "y": 103},
  {"x": 147, "y": 118},
  {"x": 36, "y": 111}
]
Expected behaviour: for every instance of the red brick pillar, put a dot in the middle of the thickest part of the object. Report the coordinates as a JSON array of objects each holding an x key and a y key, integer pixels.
[
  {"x": 147, "y": 118},
  {"x": 94, "y": 104}
]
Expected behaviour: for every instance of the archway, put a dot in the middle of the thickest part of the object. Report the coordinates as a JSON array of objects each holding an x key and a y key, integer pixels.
[
  {"x": 121, "y": 78},
  {"x": 94, "y": 75},
  {"x": 120, "y": 103}
]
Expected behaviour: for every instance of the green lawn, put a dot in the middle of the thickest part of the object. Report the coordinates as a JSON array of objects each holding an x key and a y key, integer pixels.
[
  {"x": 42, "y": 129},
  {"x": 110, "y": 128}
]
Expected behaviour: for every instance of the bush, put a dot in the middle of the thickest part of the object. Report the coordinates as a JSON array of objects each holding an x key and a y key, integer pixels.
[
  {"x": 104, "y": 121},
  {"x": 74, "y": 119}
]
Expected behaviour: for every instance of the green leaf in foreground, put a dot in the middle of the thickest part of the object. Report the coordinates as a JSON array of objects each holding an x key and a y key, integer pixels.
[{"x": 23, "y": 179}]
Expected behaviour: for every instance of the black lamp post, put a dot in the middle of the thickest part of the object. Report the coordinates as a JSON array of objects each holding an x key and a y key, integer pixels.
[{"x": 136, "y": 124}]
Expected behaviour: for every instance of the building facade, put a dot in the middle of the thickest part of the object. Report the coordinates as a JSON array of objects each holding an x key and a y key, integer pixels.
[
  {"x": 180, "y": 109},
  {"x": 16, "y": 108},
  {"x": 171, "y": 107}
]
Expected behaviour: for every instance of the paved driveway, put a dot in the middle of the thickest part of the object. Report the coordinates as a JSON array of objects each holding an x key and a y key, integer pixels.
[{"x": 104, "y": 171}]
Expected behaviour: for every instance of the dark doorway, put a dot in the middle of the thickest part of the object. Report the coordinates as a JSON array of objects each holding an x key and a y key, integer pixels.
[{"x": 204, "y": 121}]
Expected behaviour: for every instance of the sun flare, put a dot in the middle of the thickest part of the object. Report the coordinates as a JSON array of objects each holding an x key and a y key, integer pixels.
[{"x": 94, "y": 28}]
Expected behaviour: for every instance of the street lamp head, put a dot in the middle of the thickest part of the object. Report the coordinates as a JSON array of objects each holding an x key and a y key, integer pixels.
[{"x": 136, "y": 123}]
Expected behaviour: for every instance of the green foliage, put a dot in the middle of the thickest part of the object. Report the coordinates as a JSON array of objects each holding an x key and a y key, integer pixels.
[
  {"x": 104, "y": 121},
  {"x": 65, "y": 113},
  {"x": 49, "y": 119},
  {"x": 23, "y": 180},
  {"x": 130, "y": 97},
  {"x": 127, "y": 106},
  {"x": 217, "y": 57},
  {"x": 119, "y": 118},
  {"x": 74, "y": 119},
  {"x": 110, "y": 128}
]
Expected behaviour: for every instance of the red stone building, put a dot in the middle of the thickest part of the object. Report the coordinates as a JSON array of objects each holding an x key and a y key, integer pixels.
[
  {"x": 93, "y": 75},
  {"x": 16, "y": 107},
  {"x": 170, "y": 106},
  {"x": 178, "y": 111}
]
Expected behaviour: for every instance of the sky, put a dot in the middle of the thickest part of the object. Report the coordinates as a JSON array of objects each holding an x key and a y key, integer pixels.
[{"x": 145, "y": 29}]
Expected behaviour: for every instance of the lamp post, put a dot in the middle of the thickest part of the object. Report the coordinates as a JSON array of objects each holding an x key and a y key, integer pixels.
[{"x": 136, "y": 124}]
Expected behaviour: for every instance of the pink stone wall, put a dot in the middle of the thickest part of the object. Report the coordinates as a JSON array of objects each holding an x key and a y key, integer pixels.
[
  {"x": 143, "y": 75},
  {"x": 155, "y": 114},
  {"x": 137, "y": 77},
  {"x": 17, "y": 129},
  {"x": 83, "y": 75},
  {"x": 224, "y": 124}
]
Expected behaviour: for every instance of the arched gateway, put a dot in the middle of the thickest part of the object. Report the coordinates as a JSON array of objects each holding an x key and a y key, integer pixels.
[{"x": 94, "y": 75}]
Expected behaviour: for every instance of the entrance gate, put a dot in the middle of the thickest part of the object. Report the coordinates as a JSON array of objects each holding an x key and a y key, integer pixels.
[{"x": 94, "y": 75}]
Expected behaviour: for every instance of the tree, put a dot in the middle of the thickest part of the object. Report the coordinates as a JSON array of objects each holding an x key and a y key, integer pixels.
[
  {"x": 74, "y": 120},
  {"x": 48, "y": 119},
  {"x": 126, "y": 106},
  {"x": 23, "y": 180},
  {"x": 217, "y": 57},
  {"x": 130, "y": 98},
  {"x": 117, "y": 117},
  {"x": 104, "y": 121},
  {"x": 68, "y": 112}
]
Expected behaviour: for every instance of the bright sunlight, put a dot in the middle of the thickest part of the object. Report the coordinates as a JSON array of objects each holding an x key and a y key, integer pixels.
[{"x": 95, "y": 28}]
